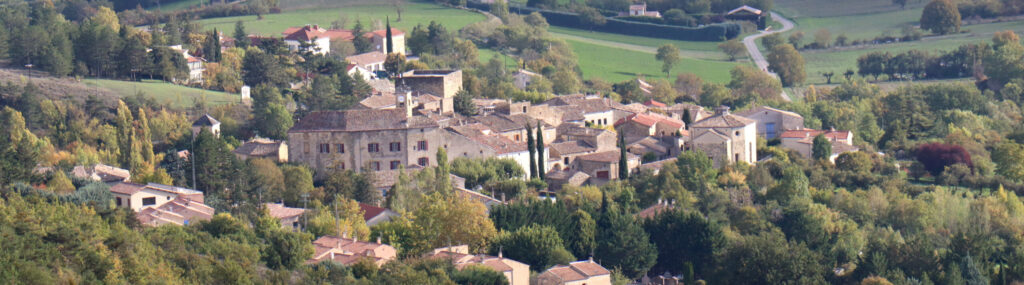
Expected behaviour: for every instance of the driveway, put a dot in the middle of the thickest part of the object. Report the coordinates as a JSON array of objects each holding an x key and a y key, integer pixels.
[{"x": 755, "y": 54}]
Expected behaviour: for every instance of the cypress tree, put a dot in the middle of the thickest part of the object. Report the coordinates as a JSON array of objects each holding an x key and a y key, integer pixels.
[
  {"x": 540, "y": 152},
  {"x": 530, "y": 145},
  {"x": 686, "y": 118},
  {"x": 623, "y": 166},
  {"x": 390, "y": 47}
]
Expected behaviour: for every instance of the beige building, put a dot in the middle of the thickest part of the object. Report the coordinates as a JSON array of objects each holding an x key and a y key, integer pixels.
[
  {"x": 372, "y": 61},
  {"x": 158, "y": 204},
  {"x": 726, "y": 138},
  {"x": 803, "y": 141},
  {"x": 479, "y": 141},
  {"x": 290, "y": 217},
  {"x": 516, "y": 272},
  {"x": 101, "y": 172},
  {"x": 350, "y": 250},
  {"x": 771, "y": 122},
  {"x": 365, "y": 139},
  {"x": 379, "y": 39},
  {"x": 574, "y": 141},
  {"x": 585, "y": 272},
  {"x": 317, "y": 40},
  {"x": 263, "y": 148},
  {"x": 604, "y": 166}
]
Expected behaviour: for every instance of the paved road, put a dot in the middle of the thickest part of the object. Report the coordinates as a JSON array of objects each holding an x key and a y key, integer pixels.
[{"x": 755, "y": 54}]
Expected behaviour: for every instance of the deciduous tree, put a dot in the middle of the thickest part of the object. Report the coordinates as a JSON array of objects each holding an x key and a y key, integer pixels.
[
  {"x": 669, "y": 56},
  {"x": 941, "y": 17}
]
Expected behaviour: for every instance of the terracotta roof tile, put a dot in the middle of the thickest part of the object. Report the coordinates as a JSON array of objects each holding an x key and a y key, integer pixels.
[
  {"x": 280, "y": 211},
  {"x": 259, "y": 147}
]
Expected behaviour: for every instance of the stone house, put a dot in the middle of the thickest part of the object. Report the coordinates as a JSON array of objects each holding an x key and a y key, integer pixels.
[
  {"x": 517, "y": 273},
  {"x": 441, "y": 83},
  {"x": 604, "y": 166},
  {"x": 289, "y": 217},
  {"x": 479, "y": 141},
  {"x": 206, "y": 122},
  {"x": 263, "y": 148},
  {"x": 651, "y": 124},
  {"x": 726, "y": 138},
  {"x": 677, "y": 111},
  {"x": 158, "y": 204},
  {"x": 372, "y": 61},
  {"x": 585, "y": 272},
  {"x": 771, "y": 122},
  {"x": 101, "y": 172}
]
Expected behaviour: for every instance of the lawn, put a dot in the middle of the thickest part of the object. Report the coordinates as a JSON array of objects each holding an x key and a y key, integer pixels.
[
  {"x": 171, "y": 94},
  {"x": 831, "y": 8},
  {"x": 412, "y": 14},
  {"x": 615, "y": 65}
]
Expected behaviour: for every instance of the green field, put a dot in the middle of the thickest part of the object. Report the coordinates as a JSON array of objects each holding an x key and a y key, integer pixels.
[
  {"x": 615, "y": 65},
  {"x": 166, "y": 93},
  {"x": 831, "y": 8},
  {"x": 412, "y": 14}
]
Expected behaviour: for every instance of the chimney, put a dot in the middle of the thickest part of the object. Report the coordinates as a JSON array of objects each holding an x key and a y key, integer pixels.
[
  {"x": 499, "y": 254},
  {"x": 722, "y": 110},
  {"x": 332, "y": 255}
]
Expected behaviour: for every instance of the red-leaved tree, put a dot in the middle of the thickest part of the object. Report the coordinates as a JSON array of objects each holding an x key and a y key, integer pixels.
[{"x": 936, "y": 156}]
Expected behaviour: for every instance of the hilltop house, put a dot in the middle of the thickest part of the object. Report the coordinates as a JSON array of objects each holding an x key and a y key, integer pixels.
[
  {"x": 636, "y": 10},
  {"x": 372, "y": 62},
  {"x": 263, "y": 148},
  {"x": 206, "y": 122},
  {"x": 747, "y": 13},
  {"x": 726, "y": 138}
]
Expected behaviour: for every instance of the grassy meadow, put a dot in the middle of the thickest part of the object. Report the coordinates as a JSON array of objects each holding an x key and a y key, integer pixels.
[
  {"x": 615, "y": 65},
  {"x": 413, "y": 13},
  {"x": 173, "y": 95}
]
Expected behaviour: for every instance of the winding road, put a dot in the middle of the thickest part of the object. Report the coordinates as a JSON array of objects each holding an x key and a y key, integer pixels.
[{"x": 755, "y": 54}]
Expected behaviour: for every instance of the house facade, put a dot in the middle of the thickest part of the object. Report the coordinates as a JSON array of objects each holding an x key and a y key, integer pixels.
[
  {"x": 517, "y": 273},
  {"x": 803, "y": 141},
  {"x": 771, "y": 122},
  {"x": 585, "y": 272},
  {"x": 263, "y": 148},
  {"x": 290, "y": 217},
  {"x": 158, "y": 204},
  {"x": 348, "y": 251},
  {"x": 726, "y": 138}
]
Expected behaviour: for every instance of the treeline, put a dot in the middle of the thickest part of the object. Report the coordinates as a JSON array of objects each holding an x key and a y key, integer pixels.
[
  {"x": 990, "y": 8},
  {"x": 995, "y": 64}
]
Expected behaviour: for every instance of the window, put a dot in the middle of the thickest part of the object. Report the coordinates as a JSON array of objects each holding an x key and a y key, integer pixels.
[
  {"x": 341, "y": 166},
  {"x": 423, "y": 161},
  {"x": 119, "y": 201},
  {"x": 373, "y": 147},
  {"x": 566, "y": 161},
  {"x": 769, "y": 130},
  {"x": 524, "y": 109},
  {"x": 325, "y": 148},
  {"x": 375, "y": 165},
  {"x": 421, "y": 145},
  {"x": 395, "y": 164},
  {"x": 737, "y": 158},
  {"x": 340, "y": 147},
  {"x": 517, "y": 137},
  {"x": 395, "y": 146},
  {"x": 149, "y": 201},
  {"x": 737, "y": 133}
]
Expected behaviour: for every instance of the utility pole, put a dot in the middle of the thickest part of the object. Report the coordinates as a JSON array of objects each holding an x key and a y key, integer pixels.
[{"x": 192, "y": 159}]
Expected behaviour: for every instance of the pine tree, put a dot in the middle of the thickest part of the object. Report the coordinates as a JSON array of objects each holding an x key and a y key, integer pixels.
[
  {"x": 540, "y": 152},
  {"x": 531, "y": 146},
  {"x": 687, "y": 119}
]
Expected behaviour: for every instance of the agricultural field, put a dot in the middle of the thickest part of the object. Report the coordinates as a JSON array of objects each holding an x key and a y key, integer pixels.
[
  {"x": 833, "y": 8},
  {"x": 174, "y": 95},
  {"x": 615, "y": 65},
  {"x": 413, "y": 13}
]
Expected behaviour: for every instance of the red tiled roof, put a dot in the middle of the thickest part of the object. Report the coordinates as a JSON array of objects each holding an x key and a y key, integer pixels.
[
  {"x": 651, "y": 119},
  {"x": 652, "y": 103},
  {"x": 308, "y": 33},
  {"x": 126, "y": 188},
  {"x": 369, "y": 212},
  {"x": 383, "y": 33}
]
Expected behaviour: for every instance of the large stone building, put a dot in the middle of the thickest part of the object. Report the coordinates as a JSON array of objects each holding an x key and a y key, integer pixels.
[
  {"x": 365, "y": 139},
  {"x": 441, "y": 83},
  {"x": 726, "y": 138}
]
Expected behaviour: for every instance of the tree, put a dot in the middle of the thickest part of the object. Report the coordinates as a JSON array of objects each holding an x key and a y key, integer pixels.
[
  {"x": 828, "y": 76},
  {"x": 541, "y": 158},
  {"x": 622, "y": 243},
  {"x": 937, "y": 156},
  {"x": 260, "y": 67},
  {"x": 794, "y": 184},
  {"x": 795, "y": 39},
  {"x": 623, "y": 161},
  {"x": 211, "y": 47},
  {"x": 873, "y": 64},
  {"x": 734, "y": 48},
  {"x": 215, "y": 165},
  {"x": 685, "y": 238},
  {"x": 748, "y": 84},
  {"x": 241, "y": 37},
  {"x": 848, "y": 74},
  {"x": 590, "y": 17},
  {"x": 126, "y": 137},
  {"x": 531, "y": 146},
  {"x": 822, "y": 148},
  {"x": 479, "y": 275},
  {"x": 940, "y": 17},
  {"x": 271, "y": 118},
  {"x": 1009, "y": 159},
  {"x": 770, "y": 41},
  {"x": 351, "y": 185},
  {"x": 565, "y": 82},
  {"x": 902, "y": 3},
  {"x": 536, "y": 245},
  {"x": 582, "y": 230},
  {"x": 60, "y": 183},
  {"x": 689, "y": 84},
  {"x": 669, "y": 56},
  {"x": 855, "y": 161},
  {"x": 362, "y": 44},
  {"x": 770, "y": 259},
  {"x": 464, "y": 103},
  {"x": 788, "y": 63},
  {"x": 1006, "y": 61},
  {"x": 390, "y": 46},
  {"x": 394, "y": 64},
  {"x": 18, "y": 148},
  {"x": 822, "y": 37}
]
